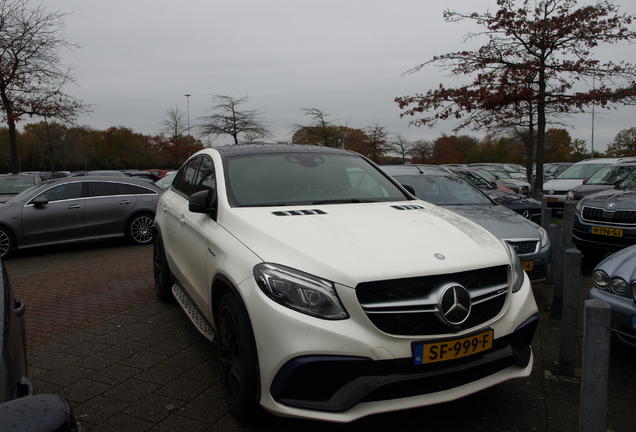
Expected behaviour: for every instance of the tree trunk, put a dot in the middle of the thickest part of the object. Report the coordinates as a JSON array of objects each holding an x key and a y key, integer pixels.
[{"x": 13, "y": 144}]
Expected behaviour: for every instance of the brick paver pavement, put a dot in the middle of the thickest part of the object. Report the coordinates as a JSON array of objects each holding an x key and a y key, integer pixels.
[
  {"x": 125, "y": 362},
  {"x": 72, "y": 298}
]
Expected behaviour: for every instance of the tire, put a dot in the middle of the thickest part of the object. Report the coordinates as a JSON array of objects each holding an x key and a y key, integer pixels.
[
  {"x": 237, "y": 354},
  {"x": 139, "y": 229},
  {"x": 161, "y": 272},
  {"x": 6, "y": 243}
]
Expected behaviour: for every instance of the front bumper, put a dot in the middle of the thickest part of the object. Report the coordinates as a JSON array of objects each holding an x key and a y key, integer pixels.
[
  {"x": 337, "y": 384},
  {"x": 623, "y": 311},
  {"x": 583, "y": 238},
  {"x": 555, "y": 200},
  {"x": 343, "y": 370}
]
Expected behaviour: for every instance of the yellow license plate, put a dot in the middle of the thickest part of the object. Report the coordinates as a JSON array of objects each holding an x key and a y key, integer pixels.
[
  {"x": 614, "y": 232},
  {"x": 449, "y": 350},
  {"x": 527, "y": 265},
  {"x": 552, "y": 199}
]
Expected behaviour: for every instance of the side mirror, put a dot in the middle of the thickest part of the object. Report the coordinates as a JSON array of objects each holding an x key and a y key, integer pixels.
[
  {"x": 409, "y": 188},
  {"x": 40, "y": 201},
  {"x": 203, "y": 202},
  {"x": 585, "y": 181}
]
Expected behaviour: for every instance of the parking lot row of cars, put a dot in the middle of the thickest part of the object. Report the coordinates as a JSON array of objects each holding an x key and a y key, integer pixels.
[
  {"x": 604, "y": 191},
  {"x": 412, "y": 282}
]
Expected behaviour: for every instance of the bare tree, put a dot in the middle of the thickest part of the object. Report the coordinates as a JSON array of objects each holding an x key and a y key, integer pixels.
[
  {"x": 228, "y": 120},
  {"x": 31, "y": 74},
  {"x": 174, "y": 124},
  {"x": 377, "y": 145},
  {"x": 401, "y": 145},
  {"x": 319, "y": 131}
]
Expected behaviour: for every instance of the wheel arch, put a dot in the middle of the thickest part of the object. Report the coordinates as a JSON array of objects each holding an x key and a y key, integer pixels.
[{"x": 221, "y": 285}]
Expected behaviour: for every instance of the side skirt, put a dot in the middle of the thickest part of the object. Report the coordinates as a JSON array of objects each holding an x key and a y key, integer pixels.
[{"x": 193, "y": 313}]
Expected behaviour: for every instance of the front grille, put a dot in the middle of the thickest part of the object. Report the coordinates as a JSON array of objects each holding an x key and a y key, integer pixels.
[
  {"x": 622, "y": 217},
  {"x": 408, "y": 306},
  {"x": 524, "y": 246}
]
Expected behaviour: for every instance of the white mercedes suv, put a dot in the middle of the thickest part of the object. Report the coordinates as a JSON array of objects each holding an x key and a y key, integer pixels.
[{"x": 330, "y": 291}]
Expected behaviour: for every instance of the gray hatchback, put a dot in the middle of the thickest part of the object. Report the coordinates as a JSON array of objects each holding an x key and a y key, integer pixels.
[
  {"x": 441, "y": 187},
  {"x": 79, "y": 209}
]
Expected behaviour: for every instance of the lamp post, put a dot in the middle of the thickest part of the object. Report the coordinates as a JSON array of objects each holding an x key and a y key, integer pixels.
[{"x": 188, "y": 111}]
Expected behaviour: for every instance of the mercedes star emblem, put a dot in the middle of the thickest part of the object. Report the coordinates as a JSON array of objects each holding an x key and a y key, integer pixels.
[{"x": 455, "y": 304}]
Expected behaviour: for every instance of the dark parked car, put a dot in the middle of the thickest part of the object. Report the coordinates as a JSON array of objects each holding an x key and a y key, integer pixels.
[
  {"x": 11, "y": 185},
  {"x": 527, "y": 207},
  {"x": 605, "y": 178},
  {"x": 606, "y": 221},
  {"x": 615, "y": 282},
  {"x": 20, "y": 410},
  {"x": 79, "y": 209},
  {"x": 441, "y": 187}
]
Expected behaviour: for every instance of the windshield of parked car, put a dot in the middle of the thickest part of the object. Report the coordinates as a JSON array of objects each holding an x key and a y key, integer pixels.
[
  {"x": 14, "y": 185},
  {"x": 306, "y": 178},
  {"x": 29, "y": 192},
  {"x": 443, "y": 190},
  {"x": 628, "y": 183},
  {"x": 610, "y": 175},
  {"x": 580, "y": 171}
]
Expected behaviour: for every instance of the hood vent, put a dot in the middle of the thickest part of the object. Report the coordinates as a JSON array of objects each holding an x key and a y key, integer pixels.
[
  {"x": 408, "y": 207},
  {"x": 298, "y": 213}
]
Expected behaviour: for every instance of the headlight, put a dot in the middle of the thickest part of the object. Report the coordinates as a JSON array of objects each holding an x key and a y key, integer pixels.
[
  {"x": 579, "y": 207},
  {"x": 300, "y": 291},
  {"x": 600, "y": 278},
  {"x": 619, "y": 286},
  {"x": 518, "y": 274},
  {"x": 543, "y": 234}
]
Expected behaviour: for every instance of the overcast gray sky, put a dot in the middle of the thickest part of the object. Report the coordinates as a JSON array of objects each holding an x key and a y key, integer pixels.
[{"x": 139, "y": 58}]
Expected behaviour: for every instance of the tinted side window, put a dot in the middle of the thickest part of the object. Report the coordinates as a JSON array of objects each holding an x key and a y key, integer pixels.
[
  {"x": 187, "y": 177},
  {"x": 96, "y": 189},
  {"x": 138, "y": 190},
  {"x": 63, "y": 192},
  {"x": 205, "y": 179}
]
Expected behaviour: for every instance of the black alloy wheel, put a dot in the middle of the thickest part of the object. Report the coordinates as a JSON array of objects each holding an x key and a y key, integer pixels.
[{"x": 237, "y": 353}]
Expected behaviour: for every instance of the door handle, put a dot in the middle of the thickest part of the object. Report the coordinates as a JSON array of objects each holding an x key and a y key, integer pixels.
[
  {"x": 182, "y": 219},
  {"x": 124, "y": 202},
  {"x": 75, "y": 206}
]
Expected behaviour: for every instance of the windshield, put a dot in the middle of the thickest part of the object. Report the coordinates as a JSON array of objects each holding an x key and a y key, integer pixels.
[
  {"x": 610, "y": 175},
  {"x": 29, "y": 192},
  {"x": 443, "y": 190},
  {"x": 14, "y": 185},
  {"x": 306, "y": 178},
  {"x": 580, "y": 171},
  {"x": 628, "y": 182},
  {"x": 475, "y": 179}
]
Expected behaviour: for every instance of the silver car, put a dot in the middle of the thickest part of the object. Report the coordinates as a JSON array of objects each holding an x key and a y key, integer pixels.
[
  {"x": 439, "y": 186},
  {"x": 79, "y": 209},
  {"x": 615, "y": 282}
]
